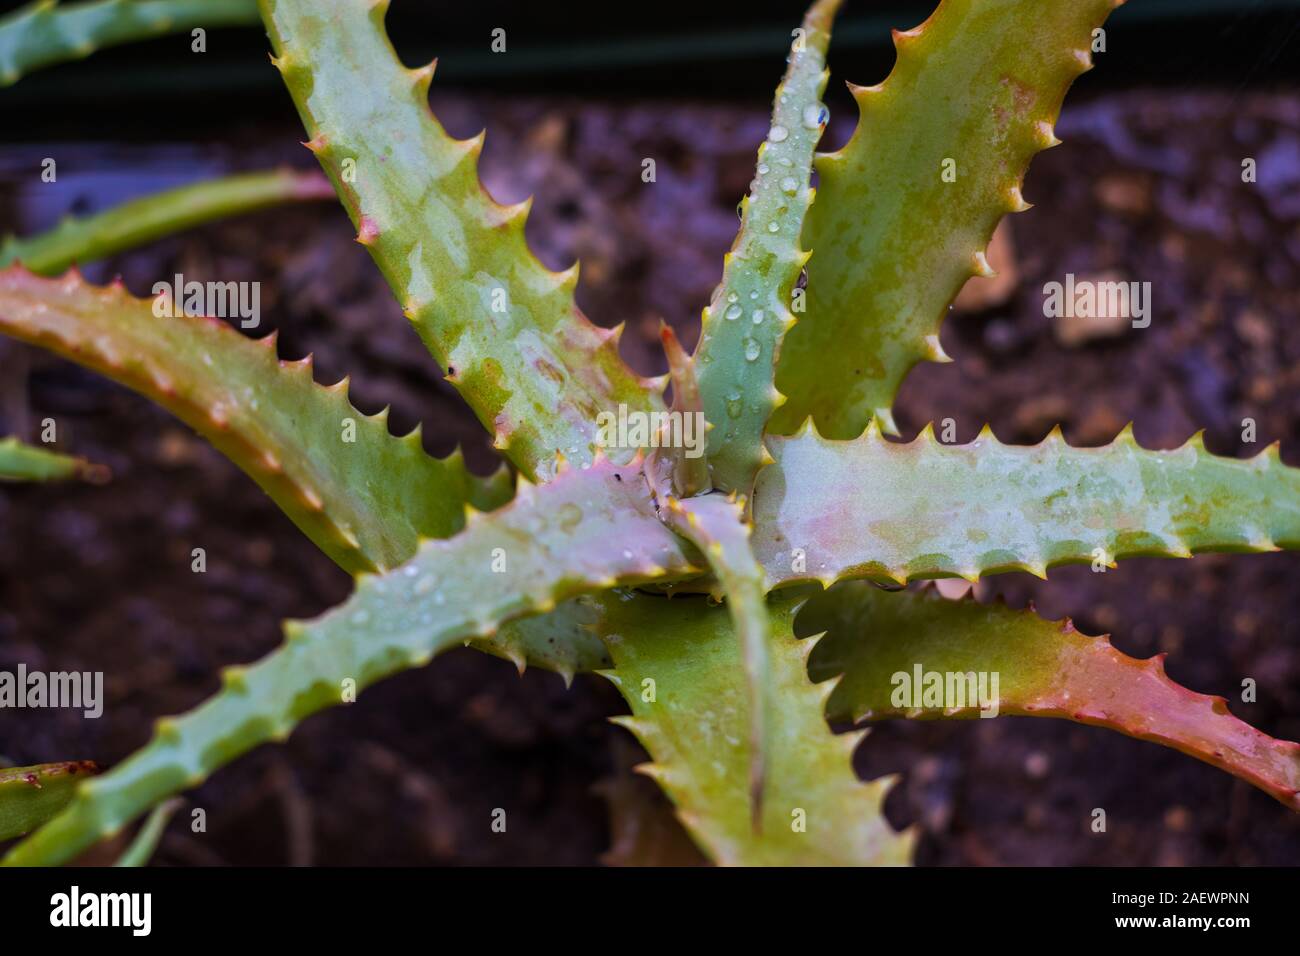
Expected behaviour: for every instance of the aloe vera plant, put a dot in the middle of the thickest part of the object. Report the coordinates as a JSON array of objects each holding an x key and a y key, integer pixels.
[{"x": 566, "y": 558}]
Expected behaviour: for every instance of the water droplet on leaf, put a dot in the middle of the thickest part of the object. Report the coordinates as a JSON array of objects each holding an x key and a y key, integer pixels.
[
  {"x": 815, "y": 115},
  {"x": 569, "y": 515}
]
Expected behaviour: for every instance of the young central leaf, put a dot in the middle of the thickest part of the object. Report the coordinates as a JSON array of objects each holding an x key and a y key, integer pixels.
[{"x": 752, "y": 308}]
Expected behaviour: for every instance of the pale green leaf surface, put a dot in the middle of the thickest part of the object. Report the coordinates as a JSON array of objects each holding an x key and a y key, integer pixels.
[
  {"x": 715, "y": 524},
  {"x": 894, "y": 511},
  {"x": 743, "y": 326},
  {"x": 815, "y": 811},
  {"x": 503, "y": 327}
]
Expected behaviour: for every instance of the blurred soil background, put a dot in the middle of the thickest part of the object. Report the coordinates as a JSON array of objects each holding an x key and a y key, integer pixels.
[{"x": 1147, "y": 188}]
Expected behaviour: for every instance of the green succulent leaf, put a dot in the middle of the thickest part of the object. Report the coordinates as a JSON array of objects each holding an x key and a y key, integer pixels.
[
  {"x": 974, "y": 93},
  {"x": 140, "y": 221},
  {"x": 893, "y": 511},
  {"x": 44, "y": 33},
  {"x": 563, "y": 641},
  {"x": 31, "y": 795},
  {"x": 586, "y": 531},
  {"x": 146, "y": 841},
  {"x": 504, "y": 328},
  {"x": 364, "y": 501},
  {"x": 684, "y": 468},
  {"x": 715, "y": 524},
  {"x": 678, "y": 665},
  {"x": 1043, "y": 668},
  {"x": 751, "y": 309},
  {"x": 22, "y": 462}
]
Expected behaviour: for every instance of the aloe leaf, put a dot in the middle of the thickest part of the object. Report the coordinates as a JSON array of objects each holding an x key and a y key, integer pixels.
[
  {"x": 22, "y": 462},
  {"x": 44, "y": 33},
  {"x": 586, "y": 531},
  {"x": 751, "y": 309},
  {"x": 1044, "y": 668},
  {"x": 679, "y": 667},
  {"x": 31, "y": 795},
  {"x": 563, "y": 641},
  {"x": 895, "y": 511},
  {"x": 688, "y": 466},
  {"x": 140, "y": 221},
  {"x": 975, "y": 91},
  {"x": 504, "y": 328},
  {"x": 365, "y": 501},
  {"x": 716, "y": 526},
  {"x": 146, "y": 841}
]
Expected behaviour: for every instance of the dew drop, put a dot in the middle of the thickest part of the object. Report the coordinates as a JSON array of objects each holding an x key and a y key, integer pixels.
[
  {"x": 773, "y": 226},
  {"x": 758, "y": 316},
  {"x": 752, "y": 349},
  {"x": 732, "y": 297},
  {"x": 733, "y": 312},
  {"x": 569, "y": 515},
  {"x": 815, "y": 115},
  {"x": 789, "y": 185},
  {"x": 778, "y": 134},
  {"x": 762, "y": 169},
  {"x": 734, "y": 405}
]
